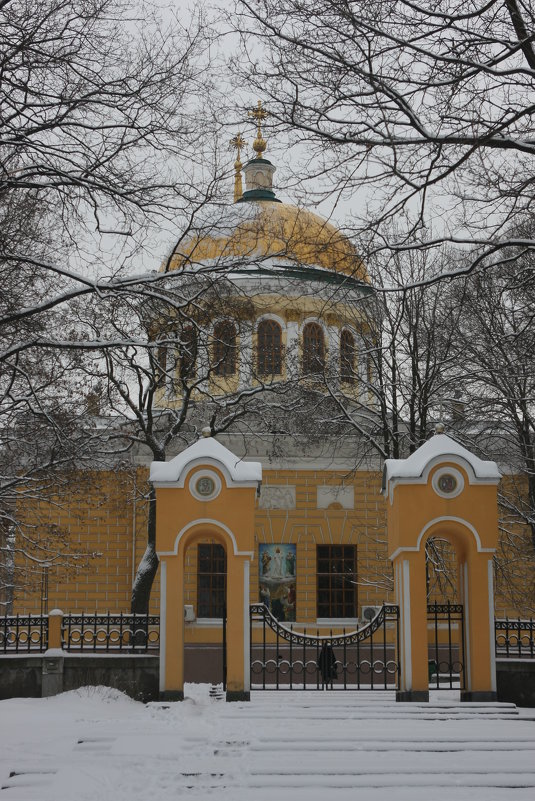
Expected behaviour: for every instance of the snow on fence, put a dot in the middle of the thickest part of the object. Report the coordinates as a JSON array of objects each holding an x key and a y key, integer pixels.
[
  {"x": 137, "y": 633},
  {"x": 515, "y": 639},
  {"x": 140, "y": 633},
  {"x": 109, "y": 633},
  {"x": 23, "y": 633}
]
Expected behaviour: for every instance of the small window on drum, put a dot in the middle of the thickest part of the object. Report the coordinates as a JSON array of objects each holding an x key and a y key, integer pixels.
[
  {"x": 313, "y": 349},
  {"x": 224, "y": 349},
  {"x": 347, "y": 358},
  {"x": 188, "y": 352},
  {"x": 269, "y": 337}
]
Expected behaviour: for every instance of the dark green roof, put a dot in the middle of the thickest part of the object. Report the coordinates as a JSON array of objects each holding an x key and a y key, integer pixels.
[{"x": 259, "y": 194}]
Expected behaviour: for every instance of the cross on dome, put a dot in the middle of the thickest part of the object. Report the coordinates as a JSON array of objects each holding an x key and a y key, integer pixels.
[
  {"x": 238, "y": 142},
  {"x": 259, "y": 114}
]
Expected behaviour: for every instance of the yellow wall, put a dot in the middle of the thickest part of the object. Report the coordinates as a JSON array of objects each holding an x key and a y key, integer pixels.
[
  {"x": 100, "y": 512},
  {"x": 95, "y": 528}
]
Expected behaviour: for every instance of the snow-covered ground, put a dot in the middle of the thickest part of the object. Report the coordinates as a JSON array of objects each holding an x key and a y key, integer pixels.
[{"x": 95, "y": 743}]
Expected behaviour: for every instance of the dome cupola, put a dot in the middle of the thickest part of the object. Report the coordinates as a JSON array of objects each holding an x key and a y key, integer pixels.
[{"x": 259, "y": 171}]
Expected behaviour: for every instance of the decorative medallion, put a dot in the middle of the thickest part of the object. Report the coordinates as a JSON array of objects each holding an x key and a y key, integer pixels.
[
  {"x": 448, "y": 482},
  {"x": 205, "y": 485}
]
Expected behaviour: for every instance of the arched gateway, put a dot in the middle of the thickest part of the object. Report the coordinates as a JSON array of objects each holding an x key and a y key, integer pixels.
[
  {"x": 443, "y": 490},
  {"x": 205, "y": 491}
]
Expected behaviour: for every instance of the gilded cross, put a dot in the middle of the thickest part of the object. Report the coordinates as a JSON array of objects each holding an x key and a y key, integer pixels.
[
  {"x": 259, "y": 114},
  {"x": 238, "y": 142}
]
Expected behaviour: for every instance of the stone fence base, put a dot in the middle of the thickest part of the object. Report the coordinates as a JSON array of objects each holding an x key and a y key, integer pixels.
[
  {"x": 42, "y": 675},
  {"x": 515, "y": 681}
]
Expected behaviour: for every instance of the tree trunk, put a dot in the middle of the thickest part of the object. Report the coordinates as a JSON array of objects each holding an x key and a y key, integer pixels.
[{"x": 148, "y": 566}]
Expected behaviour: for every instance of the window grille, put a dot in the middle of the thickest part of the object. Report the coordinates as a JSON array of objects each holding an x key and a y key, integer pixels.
[
  {"x": 269, "y": 348},
  {"x": 224, "y": 349},
  {"x": 313, "y": 349},
  {"x": 347, "y": 358},
  {"x": 336, "y": 577},
  {"x": 211, "y": 580},
  {"x": 188, "y": 352}
]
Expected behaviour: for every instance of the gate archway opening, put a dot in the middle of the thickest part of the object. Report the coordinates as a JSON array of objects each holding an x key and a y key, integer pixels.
[
  {"x": 205, "y": 610},
  {"x": 445, "y": 615}
]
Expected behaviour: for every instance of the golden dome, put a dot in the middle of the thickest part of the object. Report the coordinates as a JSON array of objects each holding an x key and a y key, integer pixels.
[{"x": 260, "y": 232}]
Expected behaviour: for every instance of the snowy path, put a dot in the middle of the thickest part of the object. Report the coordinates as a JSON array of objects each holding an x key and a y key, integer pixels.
[{"x": 97, "y": 744}]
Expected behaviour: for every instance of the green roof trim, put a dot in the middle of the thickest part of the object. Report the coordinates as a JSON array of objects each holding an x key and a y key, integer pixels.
[
  {"x": 258, "y": 194},
  {"x": 313, "y": 274},
  {"x": 259, "y": 161}
]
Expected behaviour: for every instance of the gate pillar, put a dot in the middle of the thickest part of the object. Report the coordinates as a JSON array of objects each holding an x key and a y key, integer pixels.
[
  {"x": 205, "y": 491},
  {"x": 443, "y": 490}
]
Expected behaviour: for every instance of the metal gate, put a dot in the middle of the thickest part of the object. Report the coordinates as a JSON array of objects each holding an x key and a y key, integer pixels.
[
  {"x": 445, "y": 626},
  {"x": 283, "y": 658}
]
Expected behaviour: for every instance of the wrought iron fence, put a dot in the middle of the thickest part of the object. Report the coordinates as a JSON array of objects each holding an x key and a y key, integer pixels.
[
  {"x": 286, "y": 659},
  {"x": 23, "y": 633},
  {"x": 446, "y": 646},
  {"x": 515, "y": 639},
  {"x": 134, "y": 633}
]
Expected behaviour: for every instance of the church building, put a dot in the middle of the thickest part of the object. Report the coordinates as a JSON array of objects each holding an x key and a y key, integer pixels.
[{"x": 295, "y": 315}]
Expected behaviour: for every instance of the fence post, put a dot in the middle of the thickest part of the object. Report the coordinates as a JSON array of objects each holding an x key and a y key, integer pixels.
[
  {"x": 52, "y": 664},
  {"x": 55, "y": 622}
]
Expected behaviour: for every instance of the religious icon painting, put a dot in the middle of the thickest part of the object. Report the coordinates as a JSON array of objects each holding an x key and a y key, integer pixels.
[{"x": 277, "y": 579}]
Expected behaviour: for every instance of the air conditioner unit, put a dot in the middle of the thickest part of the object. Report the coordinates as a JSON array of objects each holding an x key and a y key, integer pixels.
[
  {"x": 369, "y": 612},
  {"x": 189, "y": 613}
]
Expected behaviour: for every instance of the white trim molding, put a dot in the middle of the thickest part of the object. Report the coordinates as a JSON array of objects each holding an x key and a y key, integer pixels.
[
  {"x": 406, "y": 623},
  {"x": 163, "y": 621},
  {"x": 492, "y": 632},
  {"x": 246, "y": 629},
  {"x": 467, "y": 639},
  {"x": 434, "y": 522},
  {"x": 206, "y": 521}
]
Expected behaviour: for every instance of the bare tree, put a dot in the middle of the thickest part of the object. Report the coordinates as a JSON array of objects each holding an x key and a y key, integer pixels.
[
  {"x": 99, "y": 148},
  {"x": 398, "y": 374},
  {"x": 495, "y": 344},
  {"x": 98, "y": 130},
  {"x": 426, "y": 108}
]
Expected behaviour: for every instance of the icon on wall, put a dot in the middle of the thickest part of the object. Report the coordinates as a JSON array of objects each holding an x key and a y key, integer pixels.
[{"x": 277, "y": 579}]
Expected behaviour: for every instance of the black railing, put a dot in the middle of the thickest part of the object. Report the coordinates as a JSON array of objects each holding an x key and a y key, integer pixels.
[
  {"x": 446, "y": 646},
  {"x": 23, "y": 633},
  {"x": 137, "y": 633},
  {"x": 515, "y": 639},
  {"x": 285, "y": 659}
]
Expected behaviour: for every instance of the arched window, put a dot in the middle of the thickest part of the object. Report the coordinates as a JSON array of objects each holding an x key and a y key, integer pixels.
[
  {"x": 269, "y": 348},
  {"x": 224, "y": 348},
  {"x": 347, "y": 358},
  {"x": 188, "y": 352},
  {"x": 313, "y": 349}
]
